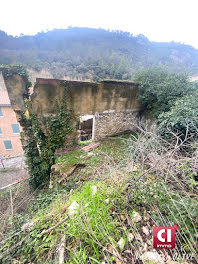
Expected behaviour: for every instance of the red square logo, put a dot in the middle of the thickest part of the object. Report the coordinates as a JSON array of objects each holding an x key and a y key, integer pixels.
[{"x": 164, "y": 237}]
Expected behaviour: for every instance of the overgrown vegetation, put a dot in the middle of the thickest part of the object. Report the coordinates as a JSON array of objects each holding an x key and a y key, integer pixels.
[
  {"x": 143, "y": 174},
  {"x": 159, "y": 89},
  {"x": 182, "y": 119},
  {"x": 18, "y": 69},
  {"x": 40, "y": 148},
  {"x": 40, "y": 145},
  {"x": 92, "y": 216},
  {"x": 168, "y": 187}
]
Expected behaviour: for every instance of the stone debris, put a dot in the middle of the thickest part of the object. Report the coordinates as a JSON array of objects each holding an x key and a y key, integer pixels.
[
  {"x": 130, "y": 236},
  {"x": 50, "y": 185},
  {"x": 94, "y": 189},
  {"x": 107, "y": 201},
  {"x": 145, "y": 230},
  {"x": 90, "y": 154},
  {"x": 27, "y": 226},
  {"x": 73, "y": 208},
  {"x": 136, "y": 217},
  {"x": 121, "y": 243},
  {"x": 152, "y": 257}
]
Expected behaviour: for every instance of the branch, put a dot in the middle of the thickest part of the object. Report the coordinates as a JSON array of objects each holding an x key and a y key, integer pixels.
[{"x": 52, "y": 228}]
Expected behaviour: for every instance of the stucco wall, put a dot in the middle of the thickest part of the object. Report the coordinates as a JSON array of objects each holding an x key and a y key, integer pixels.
[
  {"x": 6, "y": 122},
  {"x": 16, "y": 89},
  {"x": 115, "y": 102},
  {"x": 84, "y": 97}
]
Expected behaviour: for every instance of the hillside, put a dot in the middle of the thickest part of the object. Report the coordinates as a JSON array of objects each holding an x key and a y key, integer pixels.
[
  {"x": 104, "y": 211},
  {"x": 84, "y": 53}
]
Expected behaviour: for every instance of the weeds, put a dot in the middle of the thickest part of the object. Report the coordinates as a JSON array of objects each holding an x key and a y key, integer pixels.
[
  {"x": 164, "y": 183},
  {"x": 144, "y": 174}
]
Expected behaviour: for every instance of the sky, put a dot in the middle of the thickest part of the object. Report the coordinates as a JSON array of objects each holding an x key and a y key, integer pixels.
[{"x": 159, "y": 20}]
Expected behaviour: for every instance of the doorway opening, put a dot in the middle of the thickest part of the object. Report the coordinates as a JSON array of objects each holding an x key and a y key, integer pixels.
[{"x": 86, "y": 127}]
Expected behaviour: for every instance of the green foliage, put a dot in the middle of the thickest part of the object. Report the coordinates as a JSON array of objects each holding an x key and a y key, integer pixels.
[
  {"x": 45, "y": 197},
  {"x": 160, "y": 89},
  {"x": 104, "y": 216},
  {"x": 11, "y": 70},
  {"x": 95, "y": 225},
  {"x": 91, "y": 228},
  {"x": 40, "y": 148},
  {"x": 182, "y": 118}
]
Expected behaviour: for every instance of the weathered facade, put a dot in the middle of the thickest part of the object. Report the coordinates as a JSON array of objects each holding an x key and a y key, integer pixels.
[
  {"x": 10, "y": 143},
  {"x": 113, "y": 104}
]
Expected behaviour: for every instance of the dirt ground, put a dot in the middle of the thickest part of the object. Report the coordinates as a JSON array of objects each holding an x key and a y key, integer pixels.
[{"x": 15, "y": 171}]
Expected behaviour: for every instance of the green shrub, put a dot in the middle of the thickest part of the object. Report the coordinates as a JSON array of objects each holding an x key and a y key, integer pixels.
[
  {"x": 160, "y": 89},
  {"x": 182, "y": 118},
  {"x": 40, "y": 148}
]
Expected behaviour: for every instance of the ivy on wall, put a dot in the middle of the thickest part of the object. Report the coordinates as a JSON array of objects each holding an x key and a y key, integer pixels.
[
  {"x": 40, "y": 144},
  {"x": 40, "y": 147},
  {"x": 10, "y": 70}
]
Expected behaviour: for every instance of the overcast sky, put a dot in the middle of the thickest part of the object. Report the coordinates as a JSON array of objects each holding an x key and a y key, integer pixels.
[{"x": 159, "y": 20}]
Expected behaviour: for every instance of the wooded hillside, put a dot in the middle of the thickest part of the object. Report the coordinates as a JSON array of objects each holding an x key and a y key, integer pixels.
[{"x": 95, "y": 54}]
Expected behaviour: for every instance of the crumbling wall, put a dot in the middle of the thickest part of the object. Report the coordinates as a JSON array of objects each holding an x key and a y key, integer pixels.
[
  {"x": 113, "y": 122},
  {"x": 17, "y": 91},
  {"x": 116, "y": 102}
]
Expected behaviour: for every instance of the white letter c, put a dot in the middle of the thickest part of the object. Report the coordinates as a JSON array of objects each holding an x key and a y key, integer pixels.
[{"x": 159, "y": 235}]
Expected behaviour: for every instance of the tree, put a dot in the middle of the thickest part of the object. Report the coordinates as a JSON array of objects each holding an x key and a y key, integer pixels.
[{"x": 160, "y": 89}]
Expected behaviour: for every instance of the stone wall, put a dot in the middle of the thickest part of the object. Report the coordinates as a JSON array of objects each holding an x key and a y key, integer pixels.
[{"x": 113, "y": 122}]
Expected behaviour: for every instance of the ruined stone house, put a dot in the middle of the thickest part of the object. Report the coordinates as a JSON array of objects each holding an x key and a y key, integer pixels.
[{"x": 102, "y": 109}]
